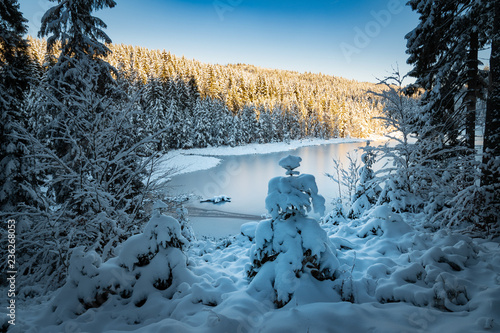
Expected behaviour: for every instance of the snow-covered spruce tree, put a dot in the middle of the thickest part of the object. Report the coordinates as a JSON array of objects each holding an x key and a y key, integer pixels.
[
  {"x": 180, "y": 126},
  {"x": 249, "y": 123},
  {"x": 71, "y": 23},
  {"x": 155, "y": 113},
  {"x": 478, "y": 204},
  {"x": 89, "y": 151},
  {"x": 290, "y": 244},
  {"x": 367, "y": 189},
  {"x": 71, "y": 26},
  {"x": 104, "y": 186},
  {"x": 444, "y": 51},
  {"x": 150, "y": 264},
  {"x": 15, "y": 178},
  {"x": 18, "y": 181}
]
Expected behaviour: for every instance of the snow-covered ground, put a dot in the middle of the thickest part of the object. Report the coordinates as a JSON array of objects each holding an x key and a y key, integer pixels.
[{"x": 394, "y": 276}]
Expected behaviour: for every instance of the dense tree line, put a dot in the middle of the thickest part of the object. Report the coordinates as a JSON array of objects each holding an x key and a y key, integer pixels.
[{"x": 243, "y": 103}]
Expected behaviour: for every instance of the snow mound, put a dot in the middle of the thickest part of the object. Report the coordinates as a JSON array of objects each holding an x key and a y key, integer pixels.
[
  {"x": 249, "y": 229},
  {"x": 384, "y": 222},
  {"x": 150, "y": 265}
]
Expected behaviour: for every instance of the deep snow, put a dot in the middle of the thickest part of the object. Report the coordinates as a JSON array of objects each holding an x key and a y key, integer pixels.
[
  {"x": 393, "y": 276},
  {"x": 400, "y": 277}
]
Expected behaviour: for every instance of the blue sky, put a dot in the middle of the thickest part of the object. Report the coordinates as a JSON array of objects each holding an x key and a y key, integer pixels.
[{"x": 359, "y": 40}]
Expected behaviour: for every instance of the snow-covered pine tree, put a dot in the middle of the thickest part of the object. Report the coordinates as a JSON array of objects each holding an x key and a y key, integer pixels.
[
  {"x": 180, "y": 128},
  {"x": 267, "y": 131},
  {"x": 183, "y": 94},
  {"x": 249, "y": 124},
  {"x": 367, "y": 189},
  {"x": 71, "y": 23},
  {"x": 290, "y": 244},
  {"x": 16, "y": 176},
  {"x": 80, "y": 62},
  {"x": 201, "y": 127},
  {"x": 19, "y": 185},
  {"x": 194, "y": 91},
  {"x": 89, "y": 153},
  {"x": 220, "y": 118},
  {"x": 444, "y": 51},
  {"x": 155, "y": 109},
  {"x": 491, "y": 157}
]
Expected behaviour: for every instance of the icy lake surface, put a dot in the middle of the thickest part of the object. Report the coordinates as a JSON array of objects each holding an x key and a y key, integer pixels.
[{"x": 244, "y": 179}]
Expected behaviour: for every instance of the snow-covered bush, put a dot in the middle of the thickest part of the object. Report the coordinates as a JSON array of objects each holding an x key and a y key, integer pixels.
[
  {"x": 186, "y": 229},
  {"x": 290, "y": 244},
  {"x": 337, "y": 216},
  {"x": 346, "y": 178},
  {"x": 433, "y": 170},
  {"x": 383, "y": 221},
  {"x": 96, "y": 193},
  {"x": 149, "y": 265},
  {"x": 367, "y": 189}
]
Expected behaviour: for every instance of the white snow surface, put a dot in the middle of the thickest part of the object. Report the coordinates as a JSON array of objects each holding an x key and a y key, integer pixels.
[{"x": 399, "y": 276}]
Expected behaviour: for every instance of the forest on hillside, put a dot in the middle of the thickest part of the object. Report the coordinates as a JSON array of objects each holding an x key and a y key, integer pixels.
[{"x": 242, "y": 103}]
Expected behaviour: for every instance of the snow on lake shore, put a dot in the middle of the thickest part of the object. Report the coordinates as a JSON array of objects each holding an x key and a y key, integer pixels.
[{"x": 182, "y": 161}]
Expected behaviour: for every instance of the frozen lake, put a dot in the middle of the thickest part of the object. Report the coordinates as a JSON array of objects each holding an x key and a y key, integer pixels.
[{"x": 244, "y": 178}]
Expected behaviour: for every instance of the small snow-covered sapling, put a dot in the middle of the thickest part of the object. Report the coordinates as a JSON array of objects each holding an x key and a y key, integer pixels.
[{"x": 291, "y": 244}]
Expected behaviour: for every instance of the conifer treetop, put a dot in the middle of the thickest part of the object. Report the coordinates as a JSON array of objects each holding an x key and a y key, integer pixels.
[{"x": 290, "y": 163}]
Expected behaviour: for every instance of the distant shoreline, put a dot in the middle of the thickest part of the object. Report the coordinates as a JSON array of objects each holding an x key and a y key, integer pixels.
[{"x": 181, "y": 161}]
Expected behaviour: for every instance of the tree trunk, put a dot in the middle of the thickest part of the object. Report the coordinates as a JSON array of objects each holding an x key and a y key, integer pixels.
[
  {"x": 490, "y": 178},
  {"x": 472, "y": 84}
]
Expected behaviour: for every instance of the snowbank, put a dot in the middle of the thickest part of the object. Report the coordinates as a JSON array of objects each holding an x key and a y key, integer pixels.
[{"x": 402, "y": 278}]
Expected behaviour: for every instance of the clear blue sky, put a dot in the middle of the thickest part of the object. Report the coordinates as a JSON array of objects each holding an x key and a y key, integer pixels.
[{"x": 358, "y": 40}]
